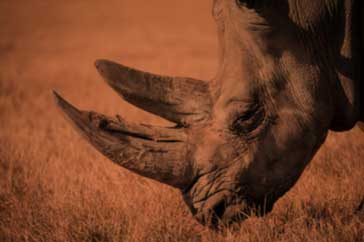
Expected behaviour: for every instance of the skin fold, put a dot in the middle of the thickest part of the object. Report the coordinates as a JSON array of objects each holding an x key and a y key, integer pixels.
[{"x": 289, "y": 72}]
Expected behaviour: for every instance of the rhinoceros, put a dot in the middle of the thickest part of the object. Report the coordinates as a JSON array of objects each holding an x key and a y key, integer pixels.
[{"x": 289, "y": 72}]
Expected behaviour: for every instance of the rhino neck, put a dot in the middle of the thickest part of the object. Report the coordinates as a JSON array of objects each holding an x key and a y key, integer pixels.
[{"x": 349, "y": 96}]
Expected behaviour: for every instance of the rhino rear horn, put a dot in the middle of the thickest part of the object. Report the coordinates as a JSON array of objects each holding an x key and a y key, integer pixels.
[
  {"x": 184, "y": 101},
  {"x": 157, "y": 153}
]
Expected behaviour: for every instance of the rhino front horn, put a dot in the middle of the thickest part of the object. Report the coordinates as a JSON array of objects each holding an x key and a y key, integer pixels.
[{"x": 157, "y": 153}]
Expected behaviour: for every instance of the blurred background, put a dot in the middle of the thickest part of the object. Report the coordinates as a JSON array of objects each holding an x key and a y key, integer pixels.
[{"x": 55, "y": 187}]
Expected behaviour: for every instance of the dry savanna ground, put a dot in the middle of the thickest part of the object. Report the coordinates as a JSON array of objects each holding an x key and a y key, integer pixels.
[{"x": 56, "y": 187}]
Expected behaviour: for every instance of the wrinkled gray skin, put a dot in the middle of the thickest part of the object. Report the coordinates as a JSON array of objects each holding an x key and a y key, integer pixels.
[{"x": 289, "y": 72}]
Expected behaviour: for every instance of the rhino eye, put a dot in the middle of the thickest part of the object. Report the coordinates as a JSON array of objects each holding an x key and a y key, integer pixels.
[
  {"x": 249, "y": 121},
  {"x": 246, "y": 3}
]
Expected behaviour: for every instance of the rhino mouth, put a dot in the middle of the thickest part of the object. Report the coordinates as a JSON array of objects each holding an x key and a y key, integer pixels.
[
  {"x": 218, "y": 203},
  {"x": 215, "y": 202},
  {"x": 226, "y": 214},
  {"x": 220, "y": 210}
]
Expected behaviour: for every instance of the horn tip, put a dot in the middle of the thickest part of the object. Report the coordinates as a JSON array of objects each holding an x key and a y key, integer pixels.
[
  {"x": 98, "y": 62},
  {"x": 63, "y": 104},
  {"x": 101, "y": 63},
  {"x": 57, "y": 97}
]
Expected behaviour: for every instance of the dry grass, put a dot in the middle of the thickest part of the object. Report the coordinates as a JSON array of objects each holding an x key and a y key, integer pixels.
[{"x": 55, "y": 187}]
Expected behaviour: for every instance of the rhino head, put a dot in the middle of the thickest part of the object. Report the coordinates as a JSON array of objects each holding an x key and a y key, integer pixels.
[{"x": 289, "y": 72}]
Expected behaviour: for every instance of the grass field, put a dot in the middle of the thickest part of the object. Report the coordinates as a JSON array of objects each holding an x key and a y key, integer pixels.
[{"x": 56, "y": 187}]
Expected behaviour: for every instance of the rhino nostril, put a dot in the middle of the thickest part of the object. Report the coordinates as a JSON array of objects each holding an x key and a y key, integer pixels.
[
  {"x": 217, "y": 212},
  {"x": 219, "y": 208}
]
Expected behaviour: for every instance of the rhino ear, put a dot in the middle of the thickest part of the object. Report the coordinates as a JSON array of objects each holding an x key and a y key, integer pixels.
[{"x": 178, "y": 99}]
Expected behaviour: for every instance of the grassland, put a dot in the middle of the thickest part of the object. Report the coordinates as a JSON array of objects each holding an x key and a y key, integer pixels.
[{"x": 55, "y": 187}]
